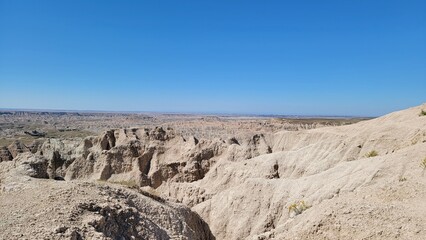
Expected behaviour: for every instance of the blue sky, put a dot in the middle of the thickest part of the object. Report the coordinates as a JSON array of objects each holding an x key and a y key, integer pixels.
[{"x": 276, "y": 57}]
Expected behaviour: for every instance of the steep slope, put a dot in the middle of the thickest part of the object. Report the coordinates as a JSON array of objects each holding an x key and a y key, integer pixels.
[{"x": 315, "y": 166}]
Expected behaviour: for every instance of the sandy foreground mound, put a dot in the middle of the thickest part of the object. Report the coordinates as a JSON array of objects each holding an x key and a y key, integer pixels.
[
  {"x": 61, "y": 210},
  {"x": 361, "y": 181}
]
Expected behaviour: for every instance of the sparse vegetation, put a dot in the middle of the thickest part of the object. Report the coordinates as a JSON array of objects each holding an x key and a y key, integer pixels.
[
  {"x": 134, "y": 186},
  {"x": 151, "y": 194},
  {"x": 402, "y": 179},
  {"x": 130, "y": 184},
  {"x": 298, "y": 207},
  {"x": 313, "y": 122},
  {"x": 423, "y": 164},
  {"x": 422, "y": 113},
  {"x": 372, "y": 153}
]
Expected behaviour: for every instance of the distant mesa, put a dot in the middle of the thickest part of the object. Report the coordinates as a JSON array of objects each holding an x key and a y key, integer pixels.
[{"x": 35, "y": 133}]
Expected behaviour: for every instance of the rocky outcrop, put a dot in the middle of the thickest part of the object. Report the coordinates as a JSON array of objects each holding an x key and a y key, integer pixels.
[
  {"x": 17, "y": 147},
  {"x": 32, "y": 165},
  {"x": 147, "y": 157},
  {"x": 5, "y": 154},
  {"x": 101, "y": 211},
  {"x": 75, "y": 210},
  {"x": 34, "y": 146}
]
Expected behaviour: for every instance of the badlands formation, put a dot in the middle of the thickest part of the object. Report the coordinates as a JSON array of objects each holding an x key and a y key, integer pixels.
[{"x": 360, "y": 181}]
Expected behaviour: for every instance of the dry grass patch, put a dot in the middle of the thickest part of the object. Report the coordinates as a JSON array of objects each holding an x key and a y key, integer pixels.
[
  {"x": 372, "y": 153},
  {"x": 298, "y": 207},
  {"x": 423, "y": 164},
  {"x": 402, "y": 179}
]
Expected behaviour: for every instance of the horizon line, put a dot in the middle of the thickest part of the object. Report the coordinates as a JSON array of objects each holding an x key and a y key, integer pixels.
[{"x": 2, "y": 109}]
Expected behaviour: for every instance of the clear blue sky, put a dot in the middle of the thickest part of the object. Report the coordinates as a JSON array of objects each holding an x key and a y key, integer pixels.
[{"x": 280, "y": 57}]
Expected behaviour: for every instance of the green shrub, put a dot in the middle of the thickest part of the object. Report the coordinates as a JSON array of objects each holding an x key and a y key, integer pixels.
[
  {"x": 422, "y": 113},
  {"x": 372, "y": 153}
]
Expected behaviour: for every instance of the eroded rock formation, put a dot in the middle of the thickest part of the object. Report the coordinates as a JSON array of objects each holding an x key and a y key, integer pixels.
[{"x": 309, "y": 184}]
